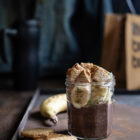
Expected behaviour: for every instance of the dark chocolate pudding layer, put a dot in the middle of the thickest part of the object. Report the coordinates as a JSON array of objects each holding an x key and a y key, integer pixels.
[{"x": 90, "y": 122}]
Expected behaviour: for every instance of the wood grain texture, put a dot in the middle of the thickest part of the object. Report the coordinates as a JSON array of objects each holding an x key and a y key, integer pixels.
[
  {"x": 12, "y": 107},
  {"x": 14, "y": 103},
  {"x": 126, "y": 122}
]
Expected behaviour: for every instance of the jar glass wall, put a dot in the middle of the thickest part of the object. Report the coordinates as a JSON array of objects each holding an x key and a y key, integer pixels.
[{"x": 90, "y": 109}]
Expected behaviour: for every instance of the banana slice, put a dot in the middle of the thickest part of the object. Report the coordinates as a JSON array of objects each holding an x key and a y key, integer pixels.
[
  {"x": 99, "y": 94},
  {"x": 108, "y": 96},
  {"x": 80, "y": 96}
]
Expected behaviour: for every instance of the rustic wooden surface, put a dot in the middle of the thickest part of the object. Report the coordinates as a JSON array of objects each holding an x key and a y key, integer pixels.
[
  {"x": 13, "y": 105},
  {"x": 125, "y": 123},
  {"x": 126, "y": 120}
]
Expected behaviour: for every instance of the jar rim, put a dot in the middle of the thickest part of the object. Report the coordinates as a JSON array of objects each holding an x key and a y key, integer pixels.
[{"x": 101, "y": 83}]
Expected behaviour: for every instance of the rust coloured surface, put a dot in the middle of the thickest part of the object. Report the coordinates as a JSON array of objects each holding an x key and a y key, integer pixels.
[{"x": 126, "y": 122}]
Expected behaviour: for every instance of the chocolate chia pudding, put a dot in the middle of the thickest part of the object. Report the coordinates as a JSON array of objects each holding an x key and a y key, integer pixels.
[
  {"x": 89, "y": 92},
  {"x": 90, "y": 122}
]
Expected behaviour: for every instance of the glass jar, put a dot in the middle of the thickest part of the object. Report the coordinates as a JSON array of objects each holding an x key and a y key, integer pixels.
[{"x": 90, "y": 109}]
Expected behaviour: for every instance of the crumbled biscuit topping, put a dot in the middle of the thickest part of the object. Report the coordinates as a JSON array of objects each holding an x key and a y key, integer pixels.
[{"x": 88, "y": 72}]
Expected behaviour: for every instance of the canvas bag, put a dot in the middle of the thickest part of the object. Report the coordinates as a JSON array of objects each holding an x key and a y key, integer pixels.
[{"x": 121, "y": 49}]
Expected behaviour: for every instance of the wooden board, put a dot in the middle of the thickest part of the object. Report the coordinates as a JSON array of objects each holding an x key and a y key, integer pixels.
[{"x": 126, "y": 119}]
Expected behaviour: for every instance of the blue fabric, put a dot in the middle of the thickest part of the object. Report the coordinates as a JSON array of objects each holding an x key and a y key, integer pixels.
[
  {"x": 88, "y": 22},
  {"x": 62, "y": 42},
  {"x": 58, "y": 46},
  {"x": 71, "y": 31}
]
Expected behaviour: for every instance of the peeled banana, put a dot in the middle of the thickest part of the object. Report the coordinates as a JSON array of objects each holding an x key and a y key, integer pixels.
[{"x": 53, "y": 105}]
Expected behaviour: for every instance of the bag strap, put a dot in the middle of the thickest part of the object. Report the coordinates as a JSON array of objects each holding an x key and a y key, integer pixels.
[{"x": 129, "y": 4}]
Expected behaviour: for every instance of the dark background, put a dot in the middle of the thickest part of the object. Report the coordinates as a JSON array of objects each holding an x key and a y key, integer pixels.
[{"x": 71, "y": 31}]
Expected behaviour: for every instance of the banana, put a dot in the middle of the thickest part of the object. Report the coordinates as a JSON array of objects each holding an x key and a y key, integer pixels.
[
  {"x": 99, "y": 94},
  {"x": 53, "y": 105},
  {"x": 108, "y": 96},
  {"x": 80, "y": 96}
]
